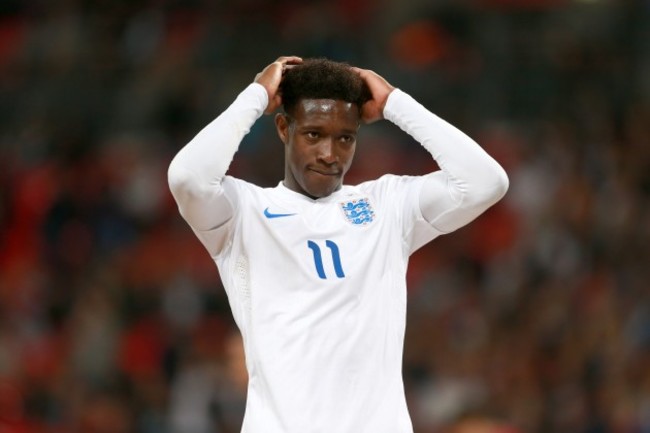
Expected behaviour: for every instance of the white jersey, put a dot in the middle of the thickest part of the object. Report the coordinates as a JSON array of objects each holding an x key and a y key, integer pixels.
[
  {"x": 317, "y": 287},
  {"x": 318, "y": 290}
]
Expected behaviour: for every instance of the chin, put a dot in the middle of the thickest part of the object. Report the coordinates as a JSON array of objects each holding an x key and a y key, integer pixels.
[
  {"x": 318, "y": 186},
  {"x": 322, "y": 191}
]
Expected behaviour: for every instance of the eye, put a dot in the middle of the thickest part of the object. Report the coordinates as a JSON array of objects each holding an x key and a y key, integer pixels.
[
  {"x": 312, "y": 135},
  {"x": 347, "y": 139}
]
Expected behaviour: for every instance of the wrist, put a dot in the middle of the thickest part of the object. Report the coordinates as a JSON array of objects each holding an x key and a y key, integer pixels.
[
  {"x": 260, "y": 91},
  {"x": 392, "y": 100}
]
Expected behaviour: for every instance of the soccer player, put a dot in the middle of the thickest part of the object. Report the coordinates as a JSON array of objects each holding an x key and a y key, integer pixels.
[{"x": 315, "y": 269}]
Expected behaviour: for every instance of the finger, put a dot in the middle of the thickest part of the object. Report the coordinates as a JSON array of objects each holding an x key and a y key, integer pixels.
[
  {"x": 284, "y": 60},
  {"x": 359, "y": 70},
  {"x": 287, "y": 67},
  {"x": 287, "y": 58}
]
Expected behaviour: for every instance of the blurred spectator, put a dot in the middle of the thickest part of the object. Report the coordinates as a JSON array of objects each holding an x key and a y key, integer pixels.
[{"x": 534, "y": 319}]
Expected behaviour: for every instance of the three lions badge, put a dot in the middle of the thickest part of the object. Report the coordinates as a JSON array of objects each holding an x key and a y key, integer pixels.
[{"x": 358, "y": 212}]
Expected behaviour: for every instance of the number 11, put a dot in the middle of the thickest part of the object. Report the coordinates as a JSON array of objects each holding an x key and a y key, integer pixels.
[{"x": 318, "y": 259}]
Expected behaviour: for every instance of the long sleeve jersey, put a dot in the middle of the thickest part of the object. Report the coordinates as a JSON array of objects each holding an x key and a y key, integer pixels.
[{"x": 318, "y": 286}]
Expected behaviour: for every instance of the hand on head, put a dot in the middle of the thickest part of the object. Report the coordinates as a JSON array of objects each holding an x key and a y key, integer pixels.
[
  {"x": 271, "y": 76},
  {"x": 373, "y": 110}
]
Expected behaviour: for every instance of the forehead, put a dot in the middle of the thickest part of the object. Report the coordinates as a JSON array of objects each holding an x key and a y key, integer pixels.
[{"x": 312, "y": 109}]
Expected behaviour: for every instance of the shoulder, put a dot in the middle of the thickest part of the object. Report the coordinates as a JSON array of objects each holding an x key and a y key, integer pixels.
[
  {"x": 238, "y": 183},
  {"x": 240, "y": 186},
  {"x": 242, "y": 193},
  {"x": 392, "y": 184}
]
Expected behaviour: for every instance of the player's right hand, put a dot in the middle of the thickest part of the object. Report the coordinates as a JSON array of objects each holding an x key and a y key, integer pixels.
[{"x": 270, "y": 78}]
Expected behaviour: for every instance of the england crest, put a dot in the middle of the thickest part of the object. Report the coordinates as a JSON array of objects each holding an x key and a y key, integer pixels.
[{"x": 358, "y": 212}]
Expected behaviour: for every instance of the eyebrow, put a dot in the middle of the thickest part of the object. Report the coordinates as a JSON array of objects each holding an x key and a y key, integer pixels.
[{"x": 345, "y": 130}]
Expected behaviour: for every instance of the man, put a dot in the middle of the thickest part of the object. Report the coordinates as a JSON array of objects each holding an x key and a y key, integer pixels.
[{"x": 314, "y": 269}]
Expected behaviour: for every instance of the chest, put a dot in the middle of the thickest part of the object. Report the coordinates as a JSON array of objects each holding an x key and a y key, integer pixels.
[
  {"x": 327, "y": 239},
  {"x": 354, "y": 219}
]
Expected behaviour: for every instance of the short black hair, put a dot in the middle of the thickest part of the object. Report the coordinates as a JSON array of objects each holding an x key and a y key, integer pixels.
[{"x": 322, "y": 78}]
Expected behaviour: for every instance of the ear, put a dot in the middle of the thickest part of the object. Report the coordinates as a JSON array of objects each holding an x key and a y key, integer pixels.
[{"x": 282, "y": 126}]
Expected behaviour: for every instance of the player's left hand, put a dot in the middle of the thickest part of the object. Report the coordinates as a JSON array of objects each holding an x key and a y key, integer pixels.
[{"x": 373, "y": 110}]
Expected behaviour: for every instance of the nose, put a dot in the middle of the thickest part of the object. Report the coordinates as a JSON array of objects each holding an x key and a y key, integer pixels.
[{"x": 327, "y": 152}]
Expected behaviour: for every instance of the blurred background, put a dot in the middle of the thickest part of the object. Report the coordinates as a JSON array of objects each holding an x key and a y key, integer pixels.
[{"x": 535, "y": 318}]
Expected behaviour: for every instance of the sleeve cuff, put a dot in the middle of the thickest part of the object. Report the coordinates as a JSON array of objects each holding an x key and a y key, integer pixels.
[
  {"x": 394, "y": 104},
  {"x": 256, "y": 94}
]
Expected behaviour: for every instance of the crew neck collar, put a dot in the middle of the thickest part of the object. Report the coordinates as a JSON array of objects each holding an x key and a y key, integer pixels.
[{"x": 336, "y": 195}]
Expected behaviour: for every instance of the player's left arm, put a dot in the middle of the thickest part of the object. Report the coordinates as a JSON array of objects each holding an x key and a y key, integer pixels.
[{"x": 469, "y": 182}]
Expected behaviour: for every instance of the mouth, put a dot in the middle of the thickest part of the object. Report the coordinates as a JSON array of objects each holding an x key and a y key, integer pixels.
[{"x": 325, "y": 172}]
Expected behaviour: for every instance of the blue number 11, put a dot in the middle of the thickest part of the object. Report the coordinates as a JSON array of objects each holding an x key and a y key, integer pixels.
[{"x": 318, "y": 259}]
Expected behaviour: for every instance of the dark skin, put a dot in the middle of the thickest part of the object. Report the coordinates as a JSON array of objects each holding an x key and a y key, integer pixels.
[
  {"x": 320, "y": 139},
  {"x": 320, "y": 136}
]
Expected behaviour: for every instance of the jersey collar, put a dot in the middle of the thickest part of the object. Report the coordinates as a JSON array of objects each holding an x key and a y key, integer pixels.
[{"x": 340, "y": 194}]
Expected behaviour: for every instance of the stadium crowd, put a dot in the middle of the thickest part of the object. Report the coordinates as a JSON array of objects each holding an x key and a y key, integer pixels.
[{"x": 535, "y": 318}]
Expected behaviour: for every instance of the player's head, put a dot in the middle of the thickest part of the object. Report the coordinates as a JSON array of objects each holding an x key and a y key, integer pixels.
[
  {"x": 322, "y": 102},
  {"x": 322, "y": 79}
]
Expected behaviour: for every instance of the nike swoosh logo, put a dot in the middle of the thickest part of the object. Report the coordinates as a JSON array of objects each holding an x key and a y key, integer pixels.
[{"x": 276, "y": 215}]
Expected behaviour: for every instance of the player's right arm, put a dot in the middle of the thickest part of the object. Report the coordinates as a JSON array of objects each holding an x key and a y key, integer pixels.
[{"x": 196, "y": 173}]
